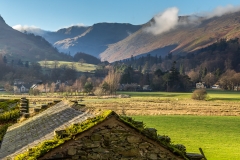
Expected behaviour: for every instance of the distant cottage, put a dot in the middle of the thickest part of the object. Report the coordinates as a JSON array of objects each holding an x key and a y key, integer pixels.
[
  {"x": 88, "y": 136},
  {"x": 21, "y": 88},
  {"x": 147, "y": 88}
]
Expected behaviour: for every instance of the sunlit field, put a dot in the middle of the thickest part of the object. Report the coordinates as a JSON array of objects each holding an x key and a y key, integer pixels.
[
  {"x": 79, "y": 67},
  {"x": 193, "y": 123},
  {"x": 212, "y": 95},
  {"x": 217, "y": 136}
]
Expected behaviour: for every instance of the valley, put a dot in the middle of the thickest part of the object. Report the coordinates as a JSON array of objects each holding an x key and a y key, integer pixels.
[{"x": 177, "y": 74}]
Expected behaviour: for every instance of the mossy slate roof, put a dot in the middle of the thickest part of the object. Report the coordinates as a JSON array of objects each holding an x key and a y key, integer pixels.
[{"x": 21, "y": 136}]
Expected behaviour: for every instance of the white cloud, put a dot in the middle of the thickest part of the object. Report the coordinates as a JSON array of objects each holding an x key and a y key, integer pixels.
[
  {"x": 78, "y": 25},
  {"x": 219, "y": 11},
  {"x": 29, "y": 29},
  {"x": 164, "y": 22}
]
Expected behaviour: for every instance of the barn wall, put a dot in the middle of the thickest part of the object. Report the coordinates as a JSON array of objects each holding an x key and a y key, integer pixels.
[{"x": 111, "y": 140}]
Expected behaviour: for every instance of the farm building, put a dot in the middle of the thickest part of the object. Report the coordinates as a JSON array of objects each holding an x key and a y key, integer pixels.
[
  {"x": 63, "y": 132},
  {"x": 215, "y": 86},
  {"x": 21, "y": 88},
  {"x": 147, "y": 88}
]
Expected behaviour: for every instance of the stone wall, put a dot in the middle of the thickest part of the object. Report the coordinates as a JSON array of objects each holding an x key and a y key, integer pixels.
[{"x": 111, "y": 140}]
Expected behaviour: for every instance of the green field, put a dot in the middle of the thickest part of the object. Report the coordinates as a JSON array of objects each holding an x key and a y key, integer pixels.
[
  {"x": 217, "y": 136},
  {"x": 212, "y": 95},
  {"x": 84, "y": 67}
]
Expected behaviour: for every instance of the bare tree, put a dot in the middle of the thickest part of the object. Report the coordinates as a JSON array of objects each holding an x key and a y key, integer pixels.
[
  {"x": 194, "y": 76},
  {"x": 62, "y": 87},
  {"x": 55, "y": 63},
  {"x": 236, "y": 79},
  {"x": 45, "y": 63},
  {"x": 64, "y": 66},
  {"x": 209, "y": 79},
  {"x": 227, "y": 80},
  {"x": 40, "y": 88},
  {"x": 52, "y": 87},
  {"x": 46, "y": 88},
  {"x": 72, "y": 65},
  {"x": 8, "y": 87},
  {"x": 81, "y": 61},
  {"x": 112, "y": 79}
]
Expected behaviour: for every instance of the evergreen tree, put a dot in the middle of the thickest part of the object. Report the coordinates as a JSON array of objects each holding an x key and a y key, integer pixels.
[
  {"x": 5, "y": 59},
  {"x": 173, "y": 77},
  {"x": 88, "y": 87},
  {"x": 200, "y": 73},
  {"x": 158, "y": 72},
  {"x": 159, "y": 59},
  {"x": 156, "y": 60},
  {"x": 181, "y": 69},
  {"x": 26, "y": 64},
  {"x": 20, "y": 63}
]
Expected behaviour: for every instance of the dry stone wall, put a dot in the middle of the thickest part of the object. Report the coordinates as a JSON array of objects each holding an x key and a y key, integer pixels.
[{"x": 112, "y": 141}]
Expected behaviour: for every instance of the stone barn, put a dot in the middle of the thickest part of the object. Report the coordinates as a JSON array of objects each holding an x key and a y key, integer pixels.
[{"x": 62, "y": 132}]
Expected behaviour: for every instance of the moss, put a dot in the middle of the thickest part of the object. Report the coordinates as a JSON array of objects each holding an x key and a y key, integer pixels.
[
  {"x": 9, "y": 116},
  {"x": 46, "y": 146},
  {"x": 163, "y": 140},
  {"x": 73, "y": 130},
  {"x": 4, "y": 104},
  {"x": 3, "y": 129}
]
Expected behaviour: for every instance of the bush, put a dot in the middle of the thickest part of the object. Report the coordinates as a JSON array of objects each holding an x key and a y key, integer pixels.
[
  {"x": 3, "y": 129},
  {"x": 98, "y": 91},
  {"x": 199, "y": 94},
  {"x": 9, "y": 116}
]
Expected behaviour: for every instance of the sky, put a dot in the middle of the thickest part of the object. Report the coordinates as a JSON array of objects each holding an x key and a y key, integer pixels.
[{"x": 52, "y": 15}]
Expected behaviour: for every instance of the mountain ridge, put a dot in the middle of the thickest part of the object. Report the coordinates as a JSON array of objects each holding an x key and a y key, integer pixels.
[
  {"x": 96, "y": 38},
  {"x": 117, "y": 41},
  {"x": 27, "y": 47},
  {"x": 187, "y": 38}
]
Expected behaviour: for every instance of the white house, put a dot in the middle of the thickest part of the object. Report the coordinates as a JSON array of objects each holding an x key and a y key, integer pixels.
[
  {"x": 146, "y": 88},
  {"x": 215, "y": 86},
  {"x": 21, "y": 88}
]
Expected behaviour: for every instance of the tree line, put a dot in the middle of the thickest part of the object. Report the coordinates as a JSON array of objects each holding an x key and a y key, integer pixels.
[
  {"x": 209, "y": 64},
  {"x": 215, "y": 64}
]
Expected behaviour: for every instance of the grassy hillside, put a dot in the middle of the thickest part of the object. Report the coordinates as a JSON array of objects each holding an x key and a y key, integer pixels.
[{"x": 80, "y": 67}]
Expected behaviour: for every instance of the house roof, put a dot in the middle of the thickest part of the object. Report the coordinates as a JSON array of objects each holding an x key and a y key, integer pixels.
[
  {"x": 25, "y": 85},
  {"x": 29, "y": 133},
  {"x": 37, "y": 133}
]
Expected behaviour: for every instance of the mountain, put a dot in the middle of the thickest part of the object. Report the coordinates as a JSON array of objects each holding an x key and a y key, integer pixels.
[
  {"x": 64, "y": 33},
  {"x": 186, "y": 37},
  {"x": 91, "y": 40},
  {"x": 27, "y": 47}
]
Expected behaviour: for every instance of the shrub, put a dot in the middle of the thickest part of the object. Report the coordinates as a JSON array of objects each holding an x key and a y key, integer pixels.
[
  {"x": 3, "y": 129},
  {"x": 98, "y": 91},
  {"x": 199, "y": 94},
  {"x": 9, "y": 116}
]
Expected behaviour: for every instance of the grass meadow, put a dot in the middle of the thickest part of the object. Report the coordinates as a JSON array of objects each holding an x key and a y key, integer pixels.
[
  {"x": 217, "y": 136},
  {"x": 213, "y": 95},
  {"x": 84, "y": 67},
  {"x": 189, "y": 122}
]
